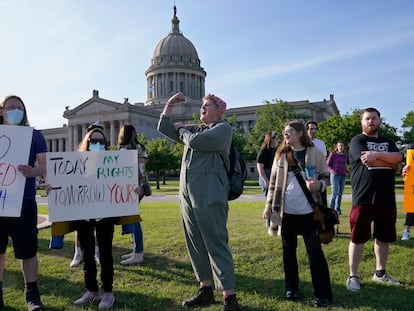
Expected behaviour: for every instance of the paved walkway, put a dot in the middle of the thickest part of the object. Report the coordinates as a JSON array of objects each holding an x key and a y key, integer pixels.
[{"x": 43, "y": 220}]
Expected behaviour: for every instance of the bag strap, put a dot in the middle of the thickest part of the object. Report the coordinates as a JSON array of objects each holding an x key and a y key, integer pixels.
[{"x": 296, "y": 170}]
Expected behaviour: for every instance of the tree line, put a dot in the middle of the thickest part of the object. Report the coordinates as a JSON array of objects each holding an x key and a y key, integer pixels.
[{"x": 165, "y": 156}]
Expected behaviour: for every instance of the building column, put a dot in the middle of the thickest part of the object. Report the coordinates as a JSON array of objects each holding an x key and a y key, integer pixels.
[
  {"x": 112, "y": 138},
  {"x": 54, "y": 145},
  {"x": 69, "y": 142},
  {"x": 61, "y": 145},
  {"x": 75, "y": 137}
]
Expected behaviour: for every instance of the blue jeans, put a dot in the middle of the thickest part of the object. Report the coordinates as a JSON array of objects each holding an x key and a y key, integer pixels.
[
  {"x": 138, "y": 238},
  {"x": 338, "y": 184},
  {"x": 265, "y": 190}
]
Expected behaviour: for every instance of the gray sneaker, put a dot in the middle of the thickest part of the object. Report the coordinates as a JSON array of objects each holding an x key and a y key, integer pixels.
[
  {"x": 353, "y": 284},
  {"x": 107, "y": 301},
  {"x": 386, "y": 279},
  {"x": 87, "y": 298}
]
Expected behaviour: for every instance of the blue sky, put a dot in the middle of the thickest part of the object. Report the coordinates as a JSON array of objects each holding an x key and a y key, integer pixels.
[{"x": 55, "y": 52}]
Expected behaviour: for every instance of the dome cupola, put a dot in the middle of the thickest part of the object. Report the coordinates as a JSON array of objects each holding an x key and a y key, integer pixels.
[{"x": 175, "y": 67}]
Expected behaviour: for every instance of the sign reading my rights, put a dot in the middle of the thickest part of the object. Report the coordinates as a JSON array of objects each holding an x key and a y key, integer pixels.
[{"x": 92, "y": 184}]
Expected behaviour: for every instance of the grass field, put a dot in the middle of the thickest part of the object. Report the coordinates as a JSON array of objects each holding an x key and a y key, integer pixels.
[{"x": 166, "y": 278}]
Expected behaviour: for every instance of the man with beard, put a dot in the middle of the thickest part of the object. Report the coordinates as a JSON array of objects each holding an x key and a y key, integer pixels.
[{"x": 373, "y": 161}]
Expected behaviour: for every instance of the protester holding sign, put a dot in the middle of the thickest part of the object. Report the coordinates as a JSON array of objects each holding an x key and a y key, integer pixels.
[
  {"x": 408, "y": 194},
  {"x": 128, "y": 139},
  {"x": 203, "y": 196},
  {"x": 95, "y": 140},
  {"x": 23, "y": 229}
]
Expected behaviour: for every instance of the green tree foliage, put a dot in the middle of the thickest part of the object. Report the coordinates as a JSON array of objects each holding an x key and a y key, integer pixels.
[
  {"x": 238, "y": 134},
  {"x": 345, "y": 127},
  {"x": 161, "y": 158},
  {"x": 408, "y": 126},
  {"x": 270, "y": 117},
  {"x": 338, "y": 127}
]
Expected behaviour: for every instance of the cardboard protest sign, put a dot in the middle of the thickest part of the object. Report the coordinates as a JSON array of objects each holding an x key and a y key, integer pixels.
[
  {"x": 15, "y": 142},
  {"x": 92, "y": 184},
  {"x": 408, "y": 204}
]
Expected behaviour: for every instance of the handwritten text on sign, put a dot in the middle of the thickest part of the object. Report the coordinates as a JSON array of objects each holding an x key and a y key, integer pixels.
[
  {"x": 15, "y": 142},
  {"x": 408, "y": 204},
  {"x": 92, "y": 184}
]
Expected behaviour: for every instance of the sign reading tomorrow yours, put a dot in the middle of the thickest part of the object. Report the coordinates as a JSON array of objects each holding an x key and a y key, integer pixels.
[{"x": 92, "y": 184}]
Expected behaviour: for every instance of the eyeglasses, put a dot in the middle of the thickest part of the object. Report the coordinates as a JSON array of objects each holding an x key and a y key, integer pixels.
[
  {"x": 288, "y": 131},
  {"x": 97, "y": 140}
]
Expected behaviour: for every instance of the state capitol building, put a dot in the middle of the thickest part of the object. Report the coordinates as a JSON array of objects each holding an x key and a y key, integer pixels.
[{"x": 174, "y": 67}]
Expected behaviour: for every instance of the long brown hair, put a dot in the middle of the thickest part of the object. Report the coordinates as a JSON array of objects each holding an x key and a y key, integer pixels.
[
  {"x": 266, "y": 141},
  {"x": 128, "y": 136},
  {"x": 336, "y": 145},
  {"x": 304, "y": 138},
  {"x": 24, "y": 121}
]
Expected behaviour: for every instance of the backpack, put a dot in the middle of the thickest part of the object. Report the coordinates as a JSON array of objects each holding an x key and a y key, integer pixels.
[{"x": 237, "y": 173}]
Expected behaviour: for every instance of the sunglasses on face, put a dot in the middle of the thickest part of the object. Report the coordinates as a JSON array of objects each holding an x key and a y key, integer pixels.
[{"x": 97, "y": 140}]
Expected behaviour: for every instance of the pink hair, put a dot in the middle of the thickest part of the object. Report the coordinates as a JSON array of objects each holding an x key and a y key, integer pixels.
[{"x": 221, "y": 104}]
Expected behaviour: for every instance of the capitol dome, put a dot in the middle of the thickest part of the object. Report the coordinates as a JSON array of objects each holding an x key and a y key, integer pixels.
[
  {"x": 175, "y": 67},
  {"x": 175, "y": 49}
]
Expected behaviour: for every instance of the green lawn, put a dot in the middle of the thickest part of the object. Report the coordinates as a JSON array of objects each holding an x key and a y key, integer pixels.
[{"x": 166, "y": 278}]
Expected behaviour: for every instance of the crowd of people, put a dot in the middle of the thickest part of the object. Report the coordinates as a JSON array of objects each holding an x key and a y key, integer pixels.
[{"x": 203, "y": 191}]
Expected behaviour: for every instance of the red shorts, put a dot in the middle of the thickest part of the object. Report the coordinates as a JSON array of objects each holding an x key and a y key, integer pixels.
[{"x": 384, "y": 218}]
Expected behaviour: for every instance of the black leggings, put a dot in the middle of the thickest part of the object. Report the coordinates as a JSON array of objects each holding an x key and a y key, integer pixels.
[{"x": 104, "y": 235}]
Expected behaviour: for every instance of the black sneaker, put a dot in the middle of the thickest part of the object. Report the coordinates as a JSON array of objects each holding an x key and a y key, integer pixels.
[
  {"x": 204, "y": 297},
  {"x": 322, "y": 302},
  {"x": 33, "y": 300},
  {"x": 291, "y": 295},
  {"x": 230, "y": 304}
]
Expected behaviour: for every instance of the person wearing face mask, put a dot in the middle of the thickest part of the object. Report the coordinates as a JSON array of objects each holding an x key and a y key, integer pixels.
[
  {"x": 203, "y": 193},
  {"x": 23, "y": 230},
  {"x": 95, "y": 140},
  {"x": 127, "y": 139}
]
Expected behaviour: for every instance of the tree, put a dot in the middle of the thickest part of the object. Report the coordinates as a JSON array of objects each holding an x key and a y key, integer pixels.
[
  {"x": 270, "y": 117},
  {"x": 160, "y": 157},
  {"x": 408, "y": 124},
  {"x": 345, "y": 127}
]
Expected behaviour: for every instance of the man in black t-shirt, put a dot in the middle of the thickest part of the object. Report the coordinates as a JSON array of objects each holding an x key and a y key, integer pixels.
[{"x": 373, "y": 161}]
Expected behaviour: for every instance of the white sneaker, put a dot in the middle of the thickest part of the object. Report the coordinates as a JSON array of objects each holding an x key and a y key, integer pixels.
[
  {"x": 77, "y": 259},
  {"x": 405, "y": 235},
  {"x": 129, "y": 255},
  {"x": 136, "y": 258},
  {"x": 97, "y": 255},
  {"x": 353, "y": 284},
  {"x": 386, "y": 279}
]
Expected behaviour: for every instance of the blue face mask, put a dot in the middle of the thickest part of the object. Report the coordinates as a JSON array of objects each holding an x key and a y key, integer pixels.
[
  {"x": 14, "y": 117},
  {"x": 96, "y": 147}
]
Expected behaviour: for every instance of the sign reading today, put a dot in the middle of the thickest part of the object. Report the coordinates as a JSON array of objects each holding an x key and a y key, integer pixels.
[
  {"x": 408, "y": 205},
  {"x": 92, "y": 184},
  {"x": 15, "y": 142}
]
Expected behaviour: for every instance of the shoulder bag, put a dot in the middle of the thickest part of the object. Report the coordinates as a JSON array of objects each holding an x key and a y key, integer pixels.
[{"x": 324, "y": 217}]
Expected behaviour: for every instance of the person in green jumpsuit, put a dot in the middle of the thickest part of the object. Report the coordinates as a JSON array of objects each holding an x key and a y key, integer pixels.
[{"x": 203, "y": 197}]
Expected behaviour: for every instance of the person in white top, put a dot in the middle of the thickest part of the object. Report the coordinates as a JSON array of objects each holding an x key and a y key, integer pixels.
[{"x": 312, "y": 129}]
